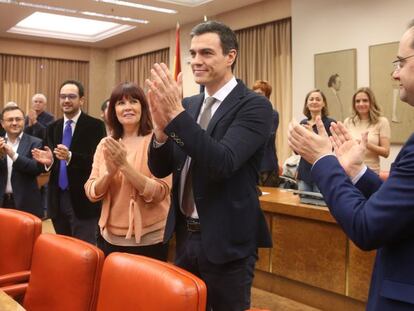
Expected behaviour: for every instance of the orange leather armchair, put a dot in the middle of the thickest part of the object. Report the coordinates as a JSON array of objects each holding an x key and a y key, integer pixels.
[
  {"x": 133, "y": 283},
  {"x": 18, "y": 233},
  {"x": 65, "y": 275}
]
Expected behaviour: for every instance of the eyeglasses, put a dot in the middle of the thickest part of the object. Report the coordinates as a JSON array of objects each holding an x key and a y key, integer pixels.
[
  {"x": 17, "y": 119},
  {"x": 399, "y": 63},
  {"x": 69, "y": 96}
]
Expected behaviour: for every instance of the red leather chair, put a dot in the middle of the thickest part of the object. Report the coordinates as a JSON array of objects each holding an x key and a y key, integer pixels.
[
  {"x": 134, "y": 283},
  {"x": 65, "y": 275},
  {"x": 18, "y": 233}
]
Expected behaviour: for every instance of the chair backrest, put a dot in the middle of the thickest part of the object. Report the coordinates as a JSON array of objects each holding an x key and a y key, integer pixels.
[
  {"x": 18, "y": 233},
  {"x": 65, "y": 274},
  {"x": 134, "y": 283}
]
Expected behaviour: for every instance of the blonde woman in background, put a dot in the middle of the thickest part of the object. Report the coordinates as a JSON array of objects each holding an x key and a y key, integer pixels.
[{"x": 367, "y": 117}]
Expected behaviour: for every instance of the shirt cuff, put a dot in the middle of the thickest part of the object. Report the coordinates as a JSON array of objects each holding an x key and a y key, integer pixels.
[
  {"x": 358, "y": 176},
  {"x": 156, "y": 144},
  {"x": 69, "y": 158}
]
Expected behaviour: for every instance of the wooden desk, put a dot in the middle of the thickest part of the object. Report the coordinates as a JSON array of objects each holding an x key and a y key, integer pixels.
[
  {"x": 7, "y": 303},
  {"x": 312, "y": 261}
]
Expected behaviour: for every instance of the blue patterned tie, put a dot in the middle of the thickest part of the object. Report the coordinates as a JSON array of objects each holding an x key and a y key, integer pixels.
[{"x": 67, "y": 139}]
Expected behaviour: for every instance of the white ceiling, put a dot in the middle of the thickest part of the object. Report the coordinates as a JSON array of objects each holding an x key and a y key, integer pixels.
[{"x": 11, "y": 14}]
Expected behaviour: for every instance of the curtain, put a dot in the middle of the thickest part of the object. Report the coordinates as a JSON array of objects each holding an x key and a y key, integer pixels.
[
  {"x": 138, "y": 68},
  {"x": 21, "y": 77},
  {"x": 265, "y": 54}
]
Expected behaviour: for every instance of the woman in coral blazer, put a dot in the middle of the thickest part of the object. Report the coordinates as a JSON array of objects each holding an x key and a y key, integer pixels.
[{"x": 134, "y": 203}]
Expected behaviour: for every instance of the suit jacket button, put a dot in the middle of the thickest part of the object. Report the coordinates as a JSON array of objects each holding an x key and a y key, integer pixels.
[{"x": 172, "y": 134}]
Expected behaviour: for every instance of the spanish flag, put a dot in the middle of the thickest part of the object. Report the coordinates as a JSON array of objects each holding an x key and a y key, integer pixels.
[{"x": 177, "y": 57}]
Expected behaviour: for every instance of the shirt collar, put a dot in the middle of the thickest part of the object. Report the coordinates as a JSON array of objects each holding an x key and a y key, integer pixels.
[
  {"x": 74, "y": 119},
  {"x": 225, "y": 90},
  {"x": 19, "y": 138}
]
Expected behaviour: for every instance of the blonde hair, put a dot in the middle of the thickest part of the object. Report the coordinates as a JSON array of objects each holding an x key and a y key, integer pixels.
[{"x": 374, "y": 109}]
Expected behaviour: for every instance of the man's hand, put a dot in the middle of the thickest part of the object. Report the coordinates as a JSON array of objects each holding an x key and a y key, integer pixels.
[
  {"x": 309, "y": 145},
  {"x": 61, "y": 152},
  {"x": 164, "y": 96},
  {"x": 32, "y": 115},
  {"x": 350, "y": 152},
  {"x": 44, "y": 157},
  {"x": 2, "y": 150}
]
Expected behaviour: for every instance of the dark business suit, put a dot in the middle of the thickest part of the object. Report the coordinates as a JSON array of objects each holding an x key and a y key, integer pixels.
[
  {"x": 25, "y": 170},
  {"x": 269, "y": 167},
  {"x": 39, "y": 128},
  {"x": 88, "y": 133},
  {"x": 225, "y": 164},
  {"x": 380, "y": 216}
]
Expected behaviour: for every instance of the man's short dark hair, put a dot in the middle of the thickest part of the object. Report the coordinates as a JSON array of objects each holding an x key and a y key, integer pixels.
[
  {"x": 79, "y": 85},
  {"x": 227, "y": 36},
  {"x": 10, "y": 108}
]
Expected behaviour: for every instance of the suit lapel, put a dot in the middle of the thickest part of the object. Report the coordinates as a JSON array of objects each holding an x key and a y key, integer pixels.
[
  {"x": 23, "y": 145},
  {"x": 229, "y": 102},
  {"x": 78, "y": 128},
  {"x": 193, "y": 108},
  {"x": 58, "y": 133}
]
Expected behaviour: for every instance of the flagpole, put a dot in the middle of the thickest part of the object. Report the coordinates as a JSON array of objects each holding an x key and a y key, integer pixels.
[{"x": 177, "y": 57}]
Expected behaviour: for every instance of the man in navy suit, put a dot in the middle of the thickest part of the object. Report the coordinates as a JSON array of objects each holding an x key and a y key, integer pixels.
[
  {"x": 71, "y": 212},
  {"x": 374, "y": 214},
  {"x": 18, "y": 170},
  {"x": 215, "y": 162},
  {"x": 38, "y": 118}
]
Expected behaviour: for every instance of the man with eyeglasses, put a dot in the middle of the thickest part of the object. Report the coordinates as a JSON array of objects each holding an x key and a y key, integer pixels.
[
  {"x": 71, "y": 143},
  {"x": 18, "y": 169},
  {"x": 374, "y": 214}
]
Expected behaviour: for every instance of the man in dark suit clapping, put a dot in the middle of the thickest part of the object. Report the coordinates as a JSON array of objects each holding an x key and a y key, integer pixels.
[
  {"x": 374, "y": 214},
  {"x": 213, "y": 144},
  {"x": 71, "y": 143},
  {"x": 18, "y": 170}
]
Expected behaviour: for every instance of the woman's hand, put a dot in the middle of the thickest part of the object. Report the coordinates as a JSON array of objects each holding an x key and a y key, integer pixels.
[{"x": 115, "y": 152}]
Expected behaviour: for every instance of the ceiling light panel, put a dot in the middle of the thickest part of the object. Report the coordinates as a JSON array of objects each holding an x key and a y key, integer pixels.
[
  {"x": 71, "y": 11},
  {"x": 67, "y": 27},
  {"x": 138, "y": 6},
  {"x": 189, "y": 3}
]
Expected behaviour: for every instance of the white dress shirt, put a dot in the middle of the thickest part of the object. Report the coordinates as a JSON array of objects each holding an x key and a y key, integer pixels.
[
  {"x": 220, "y": 95},
  {"x": 10, "y": 161}
]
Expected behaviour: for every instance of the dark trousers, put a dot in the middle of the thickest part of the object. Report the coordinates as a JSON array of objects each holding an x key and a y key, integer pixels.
[
  {"x": 8, "y": 201},
  {"x": 157, "y": 251},
  {"x": 228, "y": 284},
  {"x": 67, "y": 223}
]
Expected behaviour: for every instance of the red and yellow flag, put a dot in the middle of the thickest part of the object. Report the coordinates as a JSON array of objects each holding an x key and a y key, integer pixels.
[{"x": 177, "y": 57}]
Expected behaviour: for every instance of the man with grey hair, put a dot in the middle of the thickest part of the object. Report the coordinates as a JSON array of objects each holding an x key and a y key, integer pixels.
[
  {"x": 374, "y": 214},
  {"x": 38, "y": 118}
]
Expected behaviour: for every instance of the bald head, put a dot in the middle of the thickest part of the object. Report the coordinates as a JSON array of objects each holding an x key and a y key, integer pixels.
[{"x": 39, "y": 103}]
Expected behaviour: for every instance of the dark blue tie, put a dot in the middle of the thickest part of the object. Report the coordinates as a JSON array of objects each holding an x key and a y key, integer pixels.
[{"x": 67, "y": 139}]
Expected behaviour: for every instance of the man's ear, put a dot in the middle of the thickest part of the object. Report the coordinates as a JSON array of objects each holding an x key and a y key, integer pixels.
[{"x": 231, "y": 57}]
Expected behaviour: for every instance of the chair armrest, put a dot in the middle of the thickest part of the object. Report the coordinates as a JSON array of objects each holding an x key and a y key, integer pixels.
[{"x": 14, "y": 278}]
